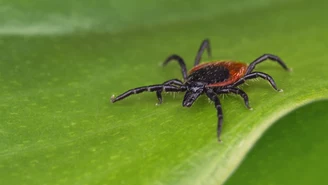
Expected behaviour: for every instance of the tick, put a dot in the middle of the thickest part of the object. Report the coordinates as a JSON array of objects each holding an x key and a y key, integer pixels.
[{"x": 211, "y": 79}]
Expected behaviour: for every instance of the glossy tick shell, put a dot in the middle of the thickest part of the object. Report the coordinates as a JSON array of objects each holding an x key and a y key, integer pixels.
[{"x": 218, "y": 74}]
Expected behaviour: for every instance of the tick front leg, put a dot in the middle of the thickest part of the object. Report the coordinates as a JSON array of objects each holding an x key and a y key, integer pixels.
[
  {"x": 175, "y": 82},
  {"x": 256, "y": 75},
  {"x": 151, "y": 88},
  {"x": 213, "y": 96}
]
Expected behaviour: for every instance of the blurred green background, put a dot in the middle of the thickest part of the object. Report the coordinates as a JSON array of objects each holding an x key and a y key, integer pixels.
[{"x": 61, "y": 61}]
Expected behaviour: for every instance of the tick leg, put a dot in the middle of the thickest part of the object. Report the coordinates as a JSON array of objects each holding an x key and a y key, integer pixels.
[
  {"x": 151, "y": 88},
  {"x": 264, "y": 58},
  {"x": 175, "y": 82},
  {"x": 205, "y": 45},
  {"x": 238, "y": 92},
  {"x": 159, "y": 97},
  {"x": 256, "y": 75},
  {"x": 181, "y": 63},
  {"x": 213, "y": 96}
]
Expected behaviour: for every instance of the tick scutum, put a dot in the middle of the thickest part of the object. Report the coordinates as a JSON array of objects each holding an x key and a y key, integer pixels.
[{"x": 210, "y": 74}]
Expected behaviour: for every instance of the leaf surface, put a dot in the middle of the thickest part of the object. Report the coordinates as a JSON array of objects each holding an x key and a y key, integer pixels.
[{"x": 58, "y": 127}]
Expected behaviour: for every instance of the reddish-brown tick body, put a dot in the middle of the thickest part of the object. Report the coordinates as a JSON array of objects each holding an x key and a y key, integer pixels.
[{"x": 218, "y": 74}]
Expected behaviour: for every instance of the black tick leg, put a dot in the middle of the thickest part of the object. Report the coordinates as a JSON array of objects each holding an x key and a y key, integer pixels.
[
  {"x": 256, "y": 75},
  {"x": 213, "y": 96},
  {"x": 238, "y": 92},
  {"x": 205, "y": 45},
  {"x": 159, "y": 97},
  {"x": 181, "y": 63},
  {"x": 151, "y": 88},
  {"x": 264, "y": 58},
  {"x": 175, "y": 82}
]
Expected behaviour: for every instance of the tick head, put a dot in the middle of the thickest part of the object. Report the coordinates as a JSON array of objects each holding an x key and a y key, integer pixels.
[{"x": 193, "y": 92}]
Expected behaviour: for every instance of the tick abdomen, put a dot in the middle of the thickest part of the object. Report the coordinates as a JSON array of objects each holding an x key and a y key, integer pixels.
[{"x": 219, "y": 73}]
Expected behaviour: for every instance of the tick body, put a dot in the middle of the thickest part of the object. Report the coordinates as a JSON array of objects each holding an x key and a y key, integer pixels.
[
  {"x": 217, "y": 74},
  {"x": 211, "y": 79}
]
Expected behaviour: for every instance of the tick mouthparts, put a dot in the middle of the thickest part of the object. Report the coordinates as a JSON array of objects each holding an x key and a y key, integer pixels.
[{"x": 186, "y": 104}]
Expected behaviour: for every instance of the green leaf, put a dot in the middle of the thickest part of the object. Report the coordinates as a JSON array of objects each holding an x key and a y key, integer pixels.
[
  {"x": 292, "y": 151},
  {"x": 60, "y": 64}
]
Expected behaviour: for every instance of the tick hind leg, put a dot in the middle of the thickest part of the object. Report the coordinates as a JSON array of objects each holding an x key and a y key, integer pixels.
[
  {"x": 181, "y": 63},
  {"x": 213, "y": 96},
  {"x": 264, "y": 58},
  {"x": 152, "y": 88},
  {"x": 256, "y": 75},
  {"x": 238, "y": 92},
  {"x": 205, "y": 45}
]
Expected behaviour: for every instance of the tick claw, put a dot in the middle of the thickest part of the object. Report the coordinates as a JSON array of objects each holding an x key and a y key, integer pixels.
[{"x": 112, "y": 98}]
